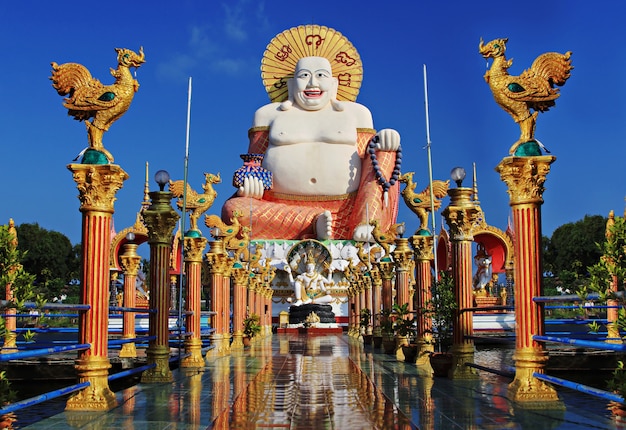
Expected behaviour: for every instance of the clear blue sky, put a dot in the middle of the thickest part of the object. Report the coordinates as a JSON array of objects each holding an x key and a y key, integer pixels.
[{"x": 220, "y": 45}]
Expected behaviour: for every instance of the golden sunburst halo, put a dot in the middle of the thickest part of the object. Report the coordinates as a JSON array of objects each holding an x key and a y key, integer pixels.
[{"x": 285, "y": 49}]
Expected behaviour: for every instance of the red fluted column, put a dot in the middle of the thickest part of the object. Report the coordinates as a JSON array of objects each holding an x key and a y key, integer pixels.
[
  {"x": 130, "y": 263},
  {"x": 194, "y": 247},
  {"x": 160, "y": 219},
  {"x": 460, "y": 216},
  {"x": 423, "y": 250},
  {"x": 217, "y": 261},
  {"x": 377, "y": 283},
  {"x": 226, "y": 306},
  {"x": 387, "y": 273},
  {"x": 240, "y": 276},
  {"x": 524, "y": 177},
  {"x": 97, "y": 186}
]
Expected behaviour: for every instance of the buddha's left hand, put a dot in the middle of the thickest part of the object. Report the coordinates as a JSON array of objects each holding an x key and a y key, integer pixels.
[{"x": 388, "y": 140}]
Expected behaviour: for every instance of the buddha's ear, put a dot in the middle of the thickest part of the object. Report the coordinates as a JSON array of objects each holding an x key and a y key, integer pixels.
[{"x": 287, "y": 104}]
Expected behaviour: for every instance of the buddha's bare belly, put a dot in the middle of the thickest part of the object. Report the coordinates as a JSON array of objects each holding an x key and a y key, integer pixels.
[{"x": 314, "y": 168}]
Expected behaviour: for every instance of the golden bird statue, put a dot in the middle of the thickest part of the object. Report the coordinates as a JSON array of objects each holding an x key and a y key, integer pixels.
[
  {"x": 385, "y": 238},
  {"x": 420, "y": 203},
  {"x": 195, "y": 203},
  {"x": 89, "y": 99},
  {"x": 226, "y": 231},
  {"x": 535, "y": 89}
]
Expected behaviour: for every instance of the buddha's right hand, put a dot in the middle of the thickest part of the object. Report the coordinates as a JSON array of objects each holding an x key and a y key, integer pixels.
[{"x": 252, "y": 187}]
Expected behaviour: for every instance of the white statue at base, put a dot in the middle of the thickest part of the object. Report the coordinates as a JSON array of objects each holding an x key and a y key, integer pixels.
[
  {"x": 310, "y": 287},
  {"x": 483, "y": 276}
]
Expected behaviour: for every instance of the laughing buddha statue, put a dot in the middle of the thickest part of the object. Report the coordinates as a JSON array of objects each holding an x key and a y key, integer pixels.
[{"x": 316, "y": 167}]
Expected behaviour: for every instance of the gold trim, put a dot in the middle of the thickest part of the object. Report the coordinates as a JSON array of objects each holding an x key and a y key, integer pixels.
[
  {"x": 285, "y": 49},
  {"x": 301, "y": 198}
]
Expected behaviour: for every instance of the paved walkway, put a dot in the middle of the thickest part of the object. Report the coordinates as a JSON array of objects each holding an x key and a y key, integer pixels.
[{"x": 324, "y": 382}]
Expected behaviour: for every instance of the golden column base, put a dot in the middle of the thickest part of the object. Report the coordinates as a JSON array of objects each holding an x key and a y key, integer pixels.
[
  {"x": 216, "y": 340},
  {"x": 97, "y": 396},
  {"x": 527, "y": 389},
  {"x": 160, "y": 356},
  {"x": 462, "y": 353},
  {"x": 237, "y": 343},
  {"x": 193, "y": 346},
  {"x": 129, "y": 350},
  {"x": 425, "y": 347},
  {"x": 10, "y": 343}
]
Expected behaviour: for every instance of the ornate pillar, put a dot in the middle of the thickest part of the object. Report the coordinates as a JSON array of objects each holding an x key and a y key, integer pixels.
[
  {"x": 194, "y": 247},
  {"x": 460, "y": 216},
  {"x": 377, "y": 283},
  {"x": 97, "y": 185},
  {"x": 217, "y": 261},
  {"x": 130, "y": 263},
  {"x": 387, "y": 273},
  {"x": 423, "y": 249},
  {"x": 403, "y": 257},
  {"x": 160, "y": 219},
  {"x": 10, "y": 321},
  {"x": 524, "y": 177},
  {"x": 240, "y": 277},
  {"x": 226, "y": 305}
]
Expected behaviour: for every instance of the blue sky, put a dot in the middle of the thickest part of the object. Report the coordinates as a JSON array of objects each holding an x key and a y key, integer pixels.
[{"x": 220, "y": 45}]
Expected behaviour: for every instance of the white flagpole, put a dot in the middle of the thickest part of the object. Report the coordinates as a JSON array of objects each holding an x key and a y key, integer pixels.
[
  {"x": 182, "y": 228},
  {"x": 430, "y": 175}
]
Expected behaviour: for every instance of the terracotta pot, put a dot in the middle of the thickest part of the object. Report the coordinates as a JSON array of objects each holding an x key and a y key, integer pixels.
[
  {"x": 441, "y": 362},
  {"x": 246, "y": 341}
]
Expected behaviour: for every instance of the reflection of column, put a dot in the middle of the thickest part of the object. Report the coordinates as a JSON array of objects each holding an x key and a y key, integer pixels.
[
  {"x": 130, "y": 262},
  {"x": 217, "y": 261},
  {"x": 97, "y": 185},
  {"x": 423, "y": 248},
  {"x": 460, "y": 216},
  {"x": 524, "y": 177},
  {"x": 194, "y": 246},
  {"x": 240, "y": 276},
  {"x": 160, "y": 219}
]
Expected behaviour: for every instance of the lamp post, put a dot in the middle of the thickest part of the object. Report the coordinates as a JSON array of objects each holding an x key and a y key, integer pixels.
[
  {"x": 160, "y": 219},
  {"x": 524, "y": 177},
  {"x": 461, "y": 216},
  {"x": 130, "y": 262}
]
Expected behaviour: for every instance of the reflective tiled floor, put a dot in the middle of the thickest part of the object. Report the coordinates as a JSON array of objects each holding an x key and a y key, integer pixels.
[{"x": 325, "y": 382}]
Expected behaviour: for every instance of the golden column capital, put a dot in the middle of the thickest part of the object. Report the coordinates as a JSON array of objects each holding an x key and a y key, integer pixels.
[
  {"x": 97, "y": 185},
  {"x": 524, "y": 177},
  {"x": 422, "y": 247},
  {"x": 216, "y": 261},
  {"x": 129, "y": 260},
  {"x": 402, "y": 255},
  {"x": 160, "y": 218},
  {"x": 194, "y": 247},
  {"x": 386, "y": 268},
  {"x": 240, "y": 275},
  {"x": 461, "y": 214}
]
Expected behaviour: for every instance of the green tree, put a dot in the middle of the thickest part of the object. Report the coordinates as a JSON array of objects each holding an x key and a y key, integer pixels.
[
  {"x": 50, "y": 257},
  {"x": 574, "y": 246}
]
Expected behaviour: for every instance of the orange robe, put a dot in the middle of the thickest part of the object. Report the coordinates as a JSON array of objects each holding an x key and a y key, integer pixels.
[{"x": 288, "y": 216}]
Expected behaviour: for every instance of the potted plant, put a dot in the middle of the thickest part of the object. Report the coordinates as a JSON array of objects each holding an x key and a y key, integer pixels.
[
  {"x": 441, "y": 308},
  {"x": 388, "y": 331},
  {"x": 251, "y": 327},
  {"x": 406, "y": 332},
  {"x": 364, "y": 323}
]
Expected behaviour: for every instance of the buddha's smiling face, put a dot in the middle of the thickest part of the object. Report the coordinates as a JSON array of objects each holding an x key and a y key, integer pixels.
[{"x": 313, "y": 84}]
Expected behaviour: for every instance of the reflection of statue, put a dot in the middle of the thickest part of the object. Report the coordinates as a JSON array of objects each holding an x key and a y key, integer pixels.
[
  {"x": 482, "y": 277},
  {"x": 310, "y": 287},
  {"x": 330, "y": 170}
]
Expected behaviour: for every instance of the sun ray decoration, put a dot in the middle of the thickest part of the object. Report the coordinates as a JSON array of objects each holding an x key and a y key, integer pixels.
[{"x": 284, "y": 51}]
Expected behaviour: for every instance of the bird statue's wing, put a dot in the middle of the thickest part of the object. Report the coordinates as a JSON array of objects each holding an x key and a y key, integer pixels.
[{"x": 177, "y": 189}]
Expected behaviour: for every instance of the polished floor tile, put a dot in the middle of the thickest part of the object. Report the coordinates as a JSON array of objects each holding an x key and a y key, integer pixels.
[{"x": 324, "y": 382}]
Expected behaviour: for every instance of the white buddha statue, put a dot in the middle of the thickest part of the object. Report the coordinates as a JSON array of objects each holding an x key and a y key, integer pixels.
[{"x": 325, "y": 157}]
